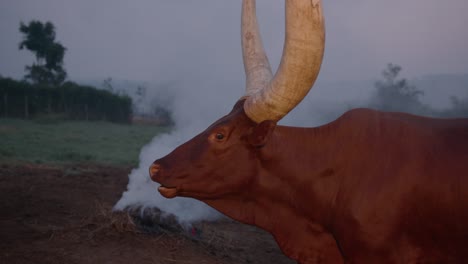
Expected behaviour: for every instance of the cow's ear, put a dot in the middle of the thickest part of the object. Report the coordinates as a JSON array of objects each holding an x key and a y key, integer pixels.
[{"x": 260, "y": 133}]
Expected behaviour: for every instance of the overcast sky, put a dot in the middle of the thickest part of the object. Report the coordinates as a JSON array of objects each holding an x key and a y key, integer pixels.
[{"x": 158, "y": 40}]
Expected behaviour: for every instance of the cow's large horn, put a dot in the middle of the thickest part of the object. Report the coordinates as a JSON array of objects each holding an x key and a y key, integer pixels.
[
  {"x": 302, "y": 56},
  {"x": 257, "y": 68}
]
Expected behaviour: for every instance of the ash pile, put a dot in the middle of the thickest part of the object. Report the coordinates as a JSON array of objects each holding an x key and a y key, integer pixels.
[{"x": 227, "y": 239}]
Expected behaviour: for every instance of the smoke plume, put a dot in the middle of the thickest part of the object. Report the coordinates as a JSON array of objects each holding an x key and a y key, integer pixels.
[{"x": 196, "y": 104}]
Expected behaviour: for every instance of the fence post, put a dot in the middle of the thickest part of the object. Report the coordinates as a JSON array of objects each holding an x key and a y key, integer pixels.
[
  {"x": 26, "y": 107},
  {"x": 5, "y": 103}
]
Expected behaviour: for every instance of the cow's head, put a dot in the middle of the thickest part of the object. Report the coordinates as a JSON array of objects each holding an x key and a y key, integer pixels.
[
  {"x": 223, "y": 160},
  {"x": 223, "y": 156}
]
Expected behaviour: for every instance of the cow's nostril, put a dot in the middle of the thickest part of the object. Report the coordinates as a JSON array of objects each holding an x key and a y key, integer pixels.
[{"x": 154, "y": 169}]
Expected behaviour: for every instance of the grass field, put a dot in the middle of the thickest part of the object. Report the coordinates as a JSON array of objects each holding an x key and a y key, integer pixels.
[{"x": 62, "y": 142}]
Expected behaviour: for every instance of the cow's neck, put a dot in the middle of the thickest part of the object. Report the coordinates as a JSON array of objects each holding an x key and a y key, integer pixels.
[
  {"x": 296, "y": 183},
  {"x": 298, "y": 171}
]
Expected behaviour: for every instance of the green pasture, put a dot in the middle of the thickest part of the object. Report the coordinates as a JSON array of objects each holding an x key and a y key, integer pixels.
[{"x": 64, "y": 142}]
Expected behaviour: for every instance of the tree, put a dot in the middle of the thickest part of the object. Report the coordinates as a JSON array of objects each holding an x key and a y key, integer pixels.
[
  {"x": 107, "y": 84},
  {"x": 39, "y": 38},
  {"x": 393, "y": 94},
  {"x": 459, "y": 107}
]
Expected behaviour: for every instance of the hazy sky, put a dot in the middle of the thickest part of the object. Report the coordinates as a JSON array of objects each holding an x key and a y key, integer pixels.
[{"x": 158, "y": 40}]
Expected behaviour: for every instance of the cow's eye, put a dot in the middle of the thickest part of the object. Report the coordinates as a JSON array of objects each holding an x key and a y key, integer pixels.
[{"x": 219, "y": 136}]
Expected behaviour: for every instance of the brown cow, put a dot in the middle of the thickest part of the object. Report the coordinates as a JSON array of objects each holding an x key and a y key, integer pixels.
[{"x": 370, "y": 187}]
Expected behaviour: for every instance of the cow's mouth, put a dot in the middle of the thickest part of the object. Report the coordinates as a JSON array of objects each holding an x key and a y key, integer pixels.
[{"x": 168, "y": 192}]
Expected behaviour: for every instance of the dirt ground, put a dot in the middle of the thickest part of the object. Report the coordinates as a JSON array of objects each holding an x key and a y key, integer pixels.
[{"x": 63, "y": 215}]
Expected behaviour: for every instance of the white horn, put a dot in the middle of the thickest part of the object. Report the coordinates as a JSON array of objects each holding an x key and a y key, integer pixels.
[
  {"x": 300, "y": 64},
  {"x": 257, "y": 68}
]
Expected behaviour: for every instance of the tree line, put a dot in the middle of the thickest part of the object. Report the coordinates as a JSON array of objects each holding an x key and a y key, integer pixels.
[{"x": 20, "y": 99}]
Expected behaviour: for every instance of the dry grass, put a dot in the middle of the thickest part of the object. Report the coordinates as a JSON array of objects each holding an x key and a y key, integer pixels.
[{"x": 105, "y": 220}]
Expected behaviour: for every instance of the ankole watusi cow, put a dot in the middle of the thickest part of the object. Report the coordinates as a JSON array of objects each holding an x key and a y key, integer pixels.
[{"x": 370, "y": 187}]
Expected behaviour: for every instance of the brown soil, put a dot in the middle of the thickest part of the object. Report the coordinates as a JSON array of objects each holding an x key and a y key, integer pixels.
[{"x": 63, "y": 215}]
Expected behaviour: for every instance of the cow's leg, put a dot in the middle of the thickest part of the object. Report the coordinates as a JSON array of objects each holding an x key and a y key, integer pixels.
[{"x": 312, "y": 248}]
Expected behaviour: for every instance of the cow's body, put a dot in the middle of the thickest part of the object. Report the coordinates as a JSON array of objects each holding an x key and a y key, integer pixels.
[{"x": 370, "y": 187}]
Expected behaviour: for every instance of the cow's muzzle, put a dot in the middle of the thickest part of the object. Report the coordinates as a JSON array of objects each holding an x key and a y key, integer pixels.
[
  {"x": 154, "y": 171},
  {"x": 155, "y": 174}
]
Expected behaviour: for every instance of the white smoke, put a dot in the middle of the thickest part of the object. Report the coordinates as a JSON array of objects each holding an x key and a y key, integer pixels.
[
  {"x": 142, "y": 192},
  {"x": 195, "y": 107}
]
